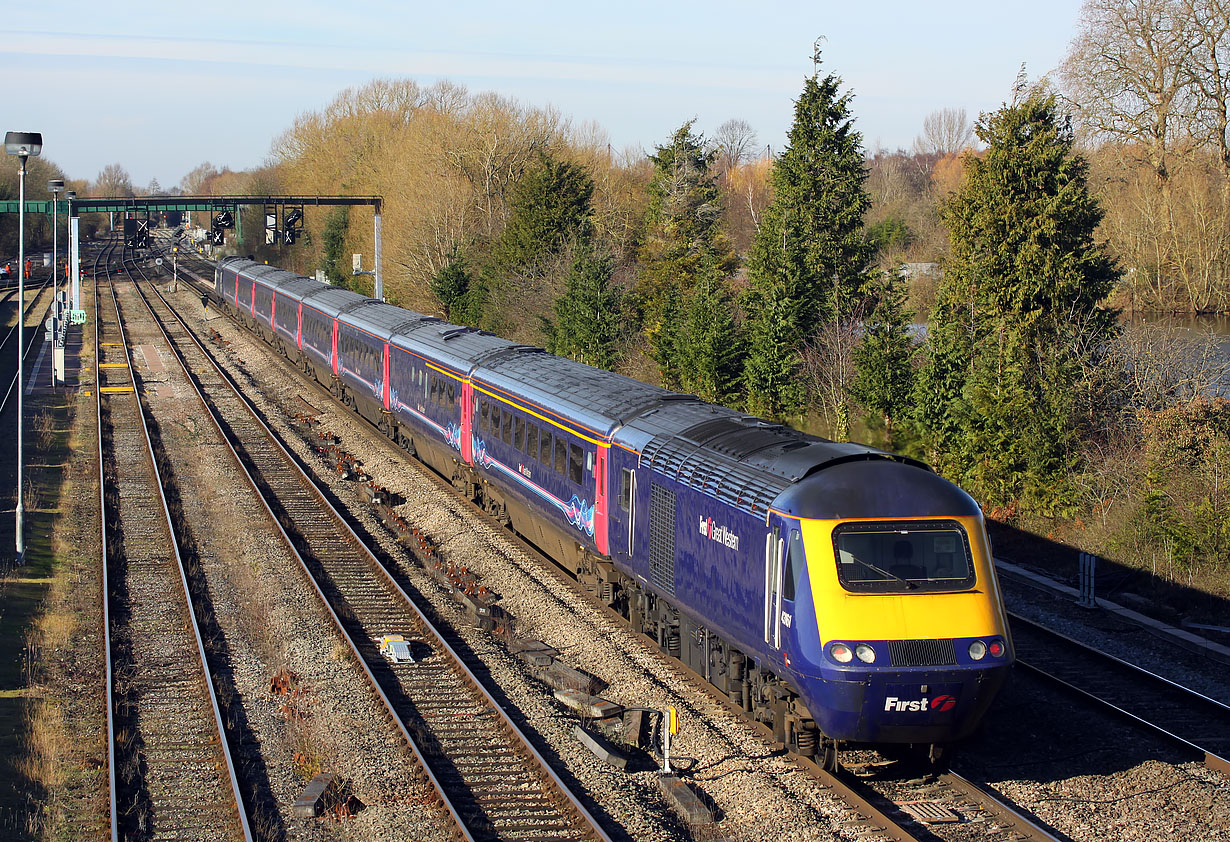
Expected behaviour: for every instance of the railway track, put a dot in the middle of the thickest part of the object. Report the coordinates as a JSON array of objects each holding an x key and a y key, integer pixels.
[
  {"x": 486, "y": 770},
  {"x": 1195, "y": 721},
  {"x": 170, "y": 768}
]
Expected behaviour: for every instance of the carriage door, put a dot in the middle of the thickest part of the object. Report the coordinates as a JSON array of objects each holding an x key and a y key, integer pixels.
[
  {"x": 469, "y": 412},
  {"x": 774, "y": 551}
]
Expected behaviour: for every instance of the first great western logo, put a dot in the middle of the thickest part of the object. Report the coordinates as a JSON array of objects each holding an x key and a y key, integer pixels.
[{"x": 720, "y": 534}]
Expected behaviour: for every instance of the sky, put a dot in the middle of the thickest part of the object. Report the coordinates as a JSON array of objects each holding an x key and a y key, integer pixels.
[{"x": 161, "y": 88}]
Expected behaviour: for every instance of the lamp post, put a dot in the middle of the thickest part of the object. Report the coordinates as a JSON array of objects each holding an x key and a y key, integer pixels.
[
  {"x": 55, "y": 185},
  {"x": 23, "y": 145}
]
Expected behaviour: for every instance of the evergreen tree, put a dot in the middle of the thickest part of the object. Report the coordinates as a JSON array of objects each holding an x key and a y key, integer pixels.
[
  {"x": 997, "y": 396},
  {"x": 682, "y": 249},
  {"x": 549, "y": 207},
  {"x": 709, "y": 352},
  {"x": 884, "y": 374},
  {"x": 453, "y": 288},
  {"x": 810, "y": 256},
  {"x": 332, "y": 260},
  {"x": 589, "y": 316}
]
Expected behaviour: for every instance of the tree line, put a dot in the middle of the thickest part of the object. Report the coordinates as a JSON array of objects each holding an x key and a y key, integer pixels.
[{"x": 961, "y": 301}]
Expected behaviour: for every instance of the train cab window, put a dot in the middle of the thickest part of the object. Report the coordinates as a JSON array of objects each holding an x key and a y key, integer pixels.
[
  {"x": 887, "y": 556},
  {"x": 518, "y": 433},
  {"x": 484, "y": 419},
  {"x": 576, "y": 462},
  {"x": 544, "y": 448},
  {"x": 507, "y": 427},
  {"x": 794, "y": 565},
  {"x": 531, "y": 440}
]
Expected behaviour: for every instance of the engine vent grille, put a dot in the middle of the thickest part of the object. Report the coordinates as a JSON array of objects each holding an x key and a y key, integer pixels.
[
  {"x": 922, "y": 653},
  {"x": 662, "y": 537}
]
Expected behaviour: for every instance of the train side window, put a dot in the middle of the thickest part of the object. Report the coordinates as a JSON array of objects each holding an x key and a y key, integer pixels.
[
  {"x": 625, "y": 490},
  {"x": 531, "y": 440},
  {"x": 794, "y": 565},
  {"x": 561, "y": 456},
  {"x": 452, "y": 393},
  {"x": 425, "y": 384},
  {"x": 484, "y": 419},
  {"x": 435, "y": 387},
  {"x": 518, "y": 432},
  {"x": 544, "y": 448},
  {"x": 506, "y": 429},
  {"x": 495, "y": 420},
  {"x": 576, "y": 463}
]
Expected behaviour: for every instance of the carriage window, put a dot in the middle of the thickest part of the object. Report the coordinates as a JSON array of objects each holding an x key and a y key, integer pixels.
[
  {"x": 435, "y": 387},
  {"x": 531, "y": 440},
  {"x": 518, "y": 432},
  {"x": 576, "y": 462},
  {"x": 544, "y": 449},
  {"x": 506, "y": 429},
  {"x": 484, "y": 421},
  {"x": 495, "y": 420},
  {"x": 561, "y": 456}
]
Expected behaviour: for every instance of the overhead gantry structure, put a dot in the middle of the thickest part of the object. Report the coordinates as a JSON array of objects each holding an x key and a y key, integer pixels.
[{"x": 223, "y": 213}]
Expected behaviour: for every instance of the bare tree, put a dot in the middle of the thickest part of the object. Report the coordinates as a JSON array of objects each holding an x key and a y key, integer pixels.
[
  {"x": 114, "y": 180},
  {"x": 194, "y": 182},
  {"x": 945, "y": 132},
  {"x": 1129, "y": 71},
  {"x": 734, "y": 142}
]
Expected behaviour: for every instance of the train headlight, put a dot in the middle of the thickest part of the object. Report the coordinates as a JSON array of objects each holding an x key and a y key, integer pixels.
[
  {"x": 977, "y": 650},
  {"x": 865, "y": 653},
  {"x": 841, "y": 653},
  {"x": 997, "y": 649}
]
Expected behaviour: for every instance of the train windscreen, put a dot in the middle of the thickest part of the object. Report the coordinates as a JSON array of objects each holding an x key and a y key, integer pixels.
[{"x": 880, "y": 556}]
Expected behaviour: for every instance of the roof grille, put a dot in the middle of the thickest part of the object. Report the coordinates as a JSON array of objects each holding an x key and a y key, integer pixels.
[{"x": 922, "y": 653}]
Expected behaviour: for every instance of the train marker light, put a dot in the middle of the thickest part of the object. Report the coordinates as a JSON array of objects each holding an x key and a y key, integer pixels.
[
  {"x": 977, "y": 650},
  {"x": 996, "y": 649},
  {"x": 865, "y": 653},
  {"x": 841, "y": 653}
]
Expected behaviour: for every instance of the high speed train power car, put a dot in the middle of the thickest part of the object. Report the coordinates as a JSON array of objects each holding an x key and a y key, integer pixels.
[{"x": 834, "y": 591}]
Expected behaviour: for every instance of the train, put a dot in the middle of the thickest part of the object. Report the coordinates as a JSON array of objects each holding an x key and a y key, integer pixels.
[{"x": 837, "y": 593}]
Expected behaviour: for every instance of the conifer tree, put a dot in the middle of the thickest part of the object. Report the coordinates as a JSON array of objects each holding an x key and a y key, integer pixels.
[
  {"x": 682, "y": 249},
  {"x": 884, "y": 372},
  {"x": 452, "y": 287},
  {"x": 710, "y": 351},
  {"x": 549, "y": 207},
  {"x": 589, "y": 316},
  {"x": 996, "y": 397},
  {"x": 810, "y": 257}
]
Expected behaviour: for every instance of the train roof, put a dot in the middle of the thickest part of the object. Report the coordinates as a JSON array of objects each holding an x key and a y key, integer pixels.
[
  {"x": 456, "y": 347},
  {"x": 878, "y": 488},
  {"x": 331, "y": 300},
  {"x": 740, "y": 459},
  {"x": 381, "y": 319},
  {"x": 593, "y": 398}
]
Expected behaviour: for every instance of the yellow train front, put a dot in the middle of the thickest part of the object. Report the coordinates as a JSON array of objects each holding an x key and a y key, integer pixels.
[{"x": 896, "y": 632}]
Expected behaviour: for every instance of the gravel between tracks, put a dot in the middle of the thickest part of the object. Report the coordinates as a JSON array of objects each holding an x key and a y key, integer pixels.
[{"x": 270, "y": 620}]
